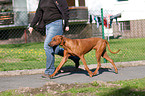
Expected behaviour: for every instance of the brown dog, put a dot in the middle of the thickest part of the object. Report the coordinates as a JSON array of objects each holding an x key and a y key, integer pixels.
[{"x": 79, "y": 47}]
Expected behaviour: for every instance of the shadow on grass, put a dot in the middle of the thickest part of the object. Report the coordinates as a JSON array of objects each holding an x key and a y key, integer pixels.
[{"x": 126, "y": 91}]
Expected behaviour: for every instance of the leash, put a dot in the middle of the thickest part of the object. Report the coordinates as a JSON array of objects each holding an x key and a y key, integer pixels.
[{"x": 26, "y": 33}]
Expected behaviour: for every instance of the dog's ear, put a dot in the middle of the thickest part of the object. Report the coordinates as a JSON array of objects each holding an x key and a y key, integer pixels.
[{"x": 62, "y": 40}]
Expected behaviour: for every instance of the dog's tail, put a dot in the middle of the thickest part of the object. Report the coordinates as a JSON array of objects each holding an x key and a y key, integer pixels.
[{"x": 110, "y": 49}]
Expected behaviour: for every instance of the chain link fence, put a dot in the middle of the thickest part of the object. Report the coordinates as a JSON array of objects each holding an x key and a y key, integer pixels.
[{"x": 19, "y": 50}]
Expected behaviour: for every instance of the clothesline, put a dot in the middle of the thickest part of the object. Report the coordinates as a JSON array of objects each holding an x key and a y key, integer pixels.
[{"x": 107, "y": 21}]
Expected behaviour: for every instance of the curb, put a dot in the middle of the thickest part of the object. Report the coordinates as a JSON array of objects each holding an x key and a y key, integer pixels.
[
  {"x": 103, "y": 65},
  {"x": 21, "y": 72}
]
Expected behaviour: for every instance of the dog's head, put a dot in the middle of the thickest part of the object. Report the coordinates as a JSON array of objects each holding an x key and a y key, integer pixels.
[{"x": 57, "y": 40}]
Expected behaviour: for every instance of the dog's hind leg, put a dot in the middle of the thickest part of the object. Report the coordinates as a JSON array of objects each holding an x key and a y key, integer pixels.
[
  {"x": 105, "y": 55},
  {"x": 98, "y": 56},
  {"x": 85, "y": 65},
  {"x": 100, "y": 47}
]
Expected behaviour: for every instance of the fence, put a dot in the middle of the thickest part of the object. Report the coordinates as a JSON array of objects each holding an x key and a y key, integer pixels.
[{"x": 19, "y": 50}]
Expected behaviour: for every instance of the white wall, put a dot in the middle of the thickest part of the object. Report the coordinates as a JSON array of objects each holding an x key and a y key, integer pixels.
[
  {"x": 98, "y": 4},
  {"x": 130, "y": 10},
  {"x": 32, "y": 5},
  {"x": 19, "y": 5},
  {"x": 20, "y": 12}
]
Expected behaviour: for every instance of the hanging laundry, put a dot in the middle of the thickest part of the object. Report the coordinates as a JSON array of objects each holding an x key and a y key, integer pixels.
[
  {"x": 107, "y": 24},
  {"x": 91, "y": 20},
  {"x": 114, "y": 17},
  {"x": 98, "y": 20}
]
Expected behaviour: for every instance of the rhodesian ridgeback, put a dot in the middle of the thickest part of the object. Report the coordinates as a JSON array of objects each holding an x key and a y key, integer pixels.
[{"x": 79, "y": 47}]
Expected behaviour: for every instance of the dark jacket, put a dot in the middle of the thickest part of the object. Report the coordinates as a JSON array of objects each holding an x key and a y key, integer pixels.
[{"x": 63, "y": 8}]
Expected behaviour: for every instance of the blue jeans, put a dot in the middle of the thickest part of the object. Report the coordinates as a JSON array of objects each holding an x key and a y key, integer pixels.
[{"x": 52, "y": 29}]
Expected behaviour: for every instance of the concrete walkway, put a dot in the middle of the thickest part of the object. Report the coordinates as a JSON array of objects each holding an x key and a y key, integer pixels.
[{"x": 70, "y": 75}]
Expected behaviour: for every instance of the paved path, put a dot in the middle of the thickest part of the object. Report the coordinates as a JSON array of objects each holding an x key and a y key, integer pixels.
[{"x": 73, "y": 76}]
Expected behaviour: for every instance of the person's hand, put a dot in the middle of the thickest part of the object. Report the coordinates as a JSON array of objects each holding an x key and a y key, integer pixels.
[
  {"x": 66, "y": 28},
  {"x": 30, "y": 30}
]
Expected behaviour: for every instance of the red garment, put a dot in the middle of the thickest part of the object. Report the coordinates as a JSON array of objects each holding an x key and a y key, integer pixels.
[{"x": 105, "y": 23}]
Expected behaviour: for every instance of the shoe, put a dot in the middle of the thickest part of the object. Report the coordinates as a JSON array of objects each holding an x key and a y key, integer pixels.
[{"x": 45, "y": 76}]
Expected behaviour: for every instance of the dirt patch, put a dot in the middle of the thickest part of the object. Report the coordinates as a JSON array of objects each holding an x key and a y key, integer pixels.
[{"x": 56, "y": 89}]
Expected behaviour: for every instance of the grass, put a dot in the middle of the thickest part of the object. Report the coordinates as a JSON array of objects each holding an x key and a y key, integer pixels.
[
  {"x": 32, "y": 55},
  {"x": 128, "y": 88},
  {"x": 22, "y": 56},
  {"x": 133, "y": 87}
]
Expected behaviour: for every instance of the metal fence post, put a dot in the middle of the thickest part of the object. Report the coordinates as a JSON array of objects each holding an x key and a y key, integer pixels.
[{"x": 102, "y": 17}]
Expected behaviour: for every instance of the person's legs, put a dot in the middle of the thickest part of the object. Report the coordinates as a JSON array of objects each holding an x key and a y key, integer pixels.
[{"x": 52, "y": 29}]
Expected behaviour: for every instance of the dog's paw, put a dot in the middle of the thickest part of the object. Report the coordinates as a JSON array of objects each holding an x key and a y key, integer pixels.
[
  {"x": 50, "y": 76},
  {"x": 116, "y": 72},
  {"x": 94, "y": 73},
  {"x": 90, "y": 74}
]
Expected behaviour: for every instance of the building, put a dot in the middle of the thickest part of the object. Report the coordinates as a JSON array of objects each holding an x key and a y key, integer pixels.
[
  {"x": 132, "y": 21},
  {"x": 19, "y": 13}
]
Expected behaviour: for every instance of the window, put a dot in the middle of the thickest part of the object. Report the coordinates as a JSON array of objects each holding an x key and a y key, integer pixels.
[
  {"x": 5, "y": 6},
  {"x": 81, "y": 2},
  {"x": 6, "y": 14},
  {"x": 73, "y": 2},
  {"x": 124, "y": 26},
  {"x": 78, "y": 13}
]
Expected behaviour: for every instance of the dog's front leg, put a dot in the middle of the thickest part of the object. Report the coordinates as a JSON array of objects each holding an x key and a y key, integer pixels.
[
  {"x": 64, "y": 59},
  {"x": 85, "y": 65}
]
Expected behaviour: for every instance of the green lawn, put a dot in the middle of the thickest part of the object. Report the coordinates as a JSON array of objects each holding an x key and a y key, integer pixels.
[{"x": 32, "y": 55}]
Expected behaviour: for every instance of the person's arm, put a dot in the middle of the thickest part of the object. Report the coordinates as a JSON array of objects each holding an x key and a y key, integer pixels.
[
  {"x": 36, "y": 18},
  {"x": 66, "y": 14},
  {"x": 30, "y": 29},
  {"x": 67, "y": 28}
]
